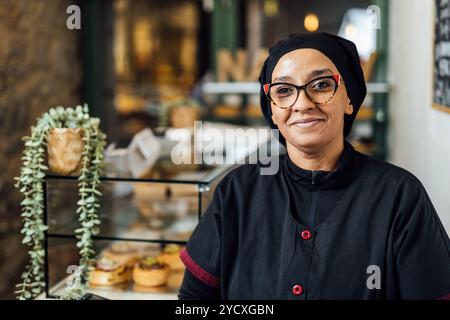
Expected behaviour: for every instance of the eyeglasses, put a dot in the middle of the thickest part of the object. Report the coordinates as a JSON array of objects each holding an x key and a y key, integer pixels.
[{"x": 320, "y": 91}]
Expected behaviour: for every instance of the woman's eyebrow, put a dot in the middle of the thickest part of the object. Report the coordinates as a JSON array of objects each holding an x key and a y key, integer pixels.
[
  {"x": 319, "y": 72},
  {"x": 313, "y": 73},
  {"x": 285, "y": 78}
]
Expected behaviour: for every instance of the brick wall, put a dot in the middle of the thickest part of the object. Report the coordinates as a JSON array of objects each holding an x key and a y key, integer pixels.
[{"x": 40, "y": 67}]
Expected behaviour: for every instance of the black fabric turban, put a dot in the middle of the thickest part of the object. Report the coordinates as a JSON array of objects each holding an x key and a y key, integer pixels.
[{"x": 341, "y": 52}]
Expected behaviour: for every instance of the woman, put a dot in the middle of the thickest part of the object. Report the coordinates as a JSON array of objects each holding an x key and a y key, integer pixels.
[{"x": 332, "y": 223}]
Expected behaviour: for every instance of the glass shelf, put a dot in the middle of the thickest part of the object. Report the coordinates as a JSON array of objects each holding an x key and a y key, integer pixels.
[
  {"x": 62, "y": 257},
  {"x": 132, "y": 210},
  {"x": 164, "y": 171},
  {"x": 160, "y": 208}
]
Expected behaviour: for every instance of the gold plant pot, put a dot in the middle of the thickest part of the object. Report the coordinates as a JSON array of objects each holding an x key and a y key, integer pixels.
[{"x": 65, "y": 148}]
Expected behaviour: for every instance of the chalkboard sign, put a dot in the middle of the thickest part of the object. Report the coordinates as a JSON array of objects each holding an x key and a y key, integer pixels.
[{"x": 441, "y": 94}]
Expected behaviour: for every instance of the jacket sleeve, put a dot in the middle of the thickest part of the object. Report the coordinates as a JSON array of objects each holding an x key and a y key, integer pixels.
[
  {"x": 194, "y": 289},
  {"x": 421, "y": 248},
  {"x": 201, "y": 256}
]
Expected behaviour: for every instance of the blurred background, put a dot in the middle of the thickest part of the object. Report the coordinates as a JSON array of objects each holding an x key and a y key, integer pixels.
[{"x": 133, "y": 60}]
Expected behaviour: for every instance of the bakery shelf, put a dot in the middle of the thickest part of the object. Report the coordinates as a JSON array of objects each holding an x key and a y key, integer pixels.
[
  {"x": 112, "y": 294},
  {"x": 161, "y": 208}
]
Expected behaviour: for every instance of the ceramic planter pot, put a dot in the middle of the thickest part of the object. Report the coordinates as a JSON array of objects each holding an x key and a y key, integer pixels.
[{"x": 65, "y": 148}]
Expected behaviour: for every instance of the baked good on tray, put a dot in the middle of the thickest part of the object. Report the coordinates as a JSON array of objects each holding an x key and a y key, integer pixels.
[
  {"x": 175, "y": 279},
  {"x": 108, "y": 273},
  {"x": 170, "y": 255},
  {"x": 150, "y": 272},
  {"x": 123, "y": 253}
]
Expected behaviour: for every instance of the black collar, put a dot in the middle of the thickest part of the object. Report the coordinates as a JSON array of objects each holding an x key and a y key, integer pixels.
[{"x": 350, "y": 161}]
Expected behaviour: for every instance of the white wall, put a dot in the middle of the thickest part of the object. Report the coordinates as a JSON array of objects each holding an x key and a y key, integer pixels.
[{"x": 419, "y": 136}]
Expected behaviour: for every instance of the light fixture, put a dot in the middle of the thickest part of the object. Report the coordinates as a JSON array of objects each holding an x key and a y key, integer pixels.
[
  {"x": 311, "y": 22},
  {"x": 271, "y": 8}
]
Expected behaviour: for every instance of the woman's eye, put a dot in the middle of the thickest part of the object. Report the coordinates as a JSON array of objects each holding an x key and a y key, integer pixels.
[
  {"x": 321, "y": 85},
  {"x": 283, "y": 91}
]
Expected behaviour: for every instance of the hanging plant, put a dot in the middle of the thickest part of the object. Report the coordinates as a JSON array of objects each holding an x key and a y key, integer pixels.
[{"x": 60, "y": 123}]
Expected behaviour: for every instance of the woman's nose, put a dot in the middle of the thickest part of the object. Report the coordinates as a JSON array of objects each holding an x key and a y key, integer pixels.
[{"x": 303, "y": 102}]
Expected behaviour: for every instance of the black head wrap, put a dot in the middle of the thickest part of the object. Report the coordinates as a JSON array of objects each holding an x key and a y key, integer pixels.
[{"x": 340, "y": 51}]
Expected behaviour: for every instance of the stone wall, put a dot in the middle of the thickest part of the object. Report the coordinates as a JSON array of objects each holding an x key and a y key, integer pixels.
[{"x": 40, "y": 67}]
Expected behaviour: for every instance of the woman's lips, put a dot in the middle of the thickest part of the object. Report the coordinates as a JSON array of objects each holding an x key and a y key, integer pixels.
[{"x": 307, "y": 123}]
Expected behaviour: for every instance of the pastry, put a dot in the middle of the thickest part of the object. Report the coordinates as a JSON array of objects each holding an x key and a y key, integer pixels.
[
  {"x": 171, "y": 256},
  {"x": 175, "y": 279},
  {"x": 123, "y": 253},
  {"x": 108, "y": 272},
  {"x": 150, "y": 272}
]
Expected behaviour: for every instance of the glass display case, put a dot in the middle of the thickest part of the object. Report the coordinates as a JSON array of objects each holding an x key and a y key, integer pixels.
[{"x": 140, "y": 218}]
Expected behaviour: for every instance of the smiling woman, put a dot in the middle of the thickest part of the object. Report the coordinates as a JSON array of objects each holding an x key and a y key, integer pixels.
[
  {"x": 316, "y": 228},
  {"x": 312, "y": 122}
]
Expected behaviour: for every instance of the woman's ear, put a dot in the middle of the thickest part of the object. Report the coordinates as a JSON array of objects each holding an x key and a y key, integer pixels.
[
  {"x": 349, "y": 108},
  {"x": 273, "y": 120}
]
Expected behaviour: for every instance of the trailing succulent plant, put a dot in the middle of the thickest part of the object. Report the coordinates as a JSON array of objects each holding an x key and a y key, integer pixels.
[{"x": 31, "y": 185}]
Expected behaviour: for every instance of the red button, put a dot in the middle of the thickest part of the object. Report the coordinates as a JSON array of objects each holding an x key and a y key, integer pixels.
[
  {"x": 297, "y": 289},
  {"x": 306, "y": 235}
]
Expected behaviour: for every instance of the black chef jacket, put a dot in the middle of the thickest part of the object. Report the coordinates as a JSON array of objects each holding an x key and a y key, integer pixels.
[{"x": 366, "y": 230}]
